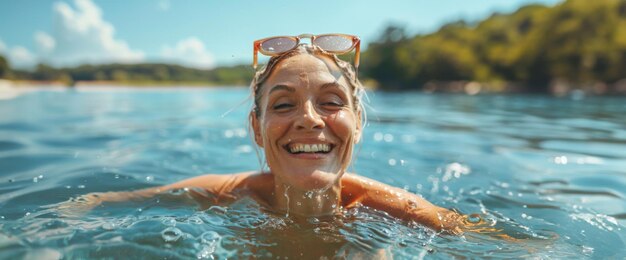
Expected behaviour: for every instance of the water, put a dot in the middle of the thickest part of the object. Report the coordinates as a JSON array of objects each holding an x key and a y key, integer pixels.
[{"x": 545, "y": 177}]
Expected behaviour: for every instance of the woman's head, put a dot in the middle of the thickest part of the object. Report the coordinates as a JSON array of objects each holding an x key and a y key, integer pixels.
[{"x": 307, "y": 116}]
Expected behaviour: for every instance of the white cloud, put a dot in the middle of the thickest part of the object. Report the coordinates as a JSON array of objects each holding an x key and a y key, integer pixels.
[
  {"x": 189, "y": 52},
  {"x": 44, "y": 41},
  {"x": 164, "y": 5},
  {"x": 18, "y": 56},
  {"x": 81, "y": 35},
  {"x": 21, "y": 58}
]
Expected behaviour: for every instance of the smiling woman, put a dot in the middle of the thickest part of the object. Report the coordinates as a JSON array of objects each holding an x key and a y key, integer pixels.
[{"x": 307, "y": 118}]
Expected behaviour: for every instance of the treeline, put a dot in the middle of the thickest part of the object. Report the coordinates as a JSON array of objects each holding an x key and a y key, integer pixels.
[
  {"x": 577, "y": 43},
  {"x": 148, "y": 73}
]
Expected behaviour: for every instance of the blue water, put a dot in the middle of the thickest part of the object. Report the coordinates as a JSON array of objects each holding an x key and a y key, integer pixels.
[{"x": 547, "y": 177}]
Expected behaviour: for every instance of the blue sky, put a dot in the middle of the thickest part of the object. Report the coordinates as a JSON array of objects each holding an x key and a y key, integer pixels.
[{"x": 205, "y": 33}]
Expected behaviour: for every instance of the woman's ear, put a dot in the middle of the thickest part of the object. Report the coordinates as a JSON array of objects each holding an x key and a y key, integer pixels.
[{"x": 254, "y": 121}]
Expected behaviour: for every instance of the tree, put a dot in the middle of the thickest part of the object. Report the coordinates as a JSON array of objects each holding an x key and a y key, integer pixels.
[{"x": 4, "y": 67}]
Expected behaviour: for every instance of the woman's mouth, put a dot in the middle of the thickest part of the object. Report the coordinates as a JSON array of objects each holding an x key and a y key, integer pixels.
[{"x": 299, "y": 148}]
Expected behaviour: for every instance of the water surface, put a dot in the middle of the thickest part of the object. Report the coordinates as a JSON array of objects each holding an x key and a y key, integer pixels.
[{"x": 547, "y": 173}]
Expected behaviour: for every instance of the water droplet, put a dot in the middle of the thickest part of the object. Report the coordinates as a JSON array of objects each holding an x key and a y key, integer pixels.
[
  {"x": 149, "y": 178},
  {"x": 411, "y": 204},
  {"x": 392, "y": 162},
  {"x": 168, "y": 221},
  {"x": 218, "y": 209},
  {"x": 211, "y": 240},
  {"x": 206, "y": 252},
  {"x": 474, "y": 218},
  {"x": 80, "y": 186},
  {"x": 109, "y": 226},
  {"x": 35, "y": 179},
  {"x": 229, "y": 133},
  {"x": 27, "y": 214},
  {"x": 210, "y": 237},
  {"x": 171, "y": 234},
  {"x": 177, "y": 191},
  {"x": 195, "y": 220}
]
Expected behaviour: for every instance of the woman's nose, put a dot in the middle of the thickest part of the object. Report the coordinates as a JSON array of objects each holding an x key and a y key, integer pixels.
[{"x": 309, "y": 118}]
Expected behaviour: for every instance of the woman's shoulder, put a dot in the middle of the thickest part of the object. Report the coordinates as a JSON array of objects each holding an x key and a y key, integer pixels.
[
  {"x": 223, "y": 182},
  {"x": 353, "y": 179}
]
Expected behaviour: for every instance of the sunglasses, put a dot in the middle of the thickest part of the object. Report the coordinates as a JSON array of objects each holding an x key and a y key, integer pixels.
[{"x": 332, "y": 43}]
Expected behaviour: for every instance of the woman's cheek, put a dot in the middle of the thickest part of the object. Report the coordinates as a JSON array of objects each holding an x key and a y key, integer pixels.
[
  {"x": 342, "y": 123},
  {"x": 274, "y": 128}
]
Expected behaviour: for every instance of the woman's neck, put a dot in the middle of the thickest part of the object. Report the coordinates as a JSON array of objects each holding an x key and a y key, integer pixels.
[{"x": 292, "y": 200}]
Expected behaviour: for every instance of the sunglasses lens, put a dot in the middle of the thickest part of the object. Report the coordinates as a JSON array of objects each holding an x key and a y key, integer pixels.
[
  {"x": 334, "y": 43},
  {"x": 278, "y": 45}
]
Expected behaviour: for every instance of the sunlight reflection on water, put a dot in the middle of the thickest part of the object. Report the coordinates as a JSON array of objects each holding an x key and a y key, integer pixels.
[{"x": 547, "y": 172}]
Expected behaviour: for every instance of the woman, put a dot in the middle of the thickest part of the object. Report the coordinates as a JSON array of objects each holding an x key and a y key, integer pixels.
[{"x": 307, "y": 117}]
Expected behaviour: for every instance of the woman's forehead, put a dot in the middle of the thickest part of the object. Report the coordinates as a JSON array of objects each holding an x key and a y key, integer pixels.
[
  {"x": 306, "y": 68},
  {"x": 307, "y": 63}
]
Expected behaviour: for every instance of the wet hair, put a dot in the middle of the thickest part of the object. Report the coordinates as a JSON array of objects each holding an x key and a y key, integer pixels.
[{"x": 347, "y": 69}]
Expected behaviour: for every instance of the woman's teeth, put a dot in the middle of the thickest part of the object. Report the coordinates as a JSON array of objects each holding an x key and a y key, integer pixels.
[{"x": 309, "y": 148}]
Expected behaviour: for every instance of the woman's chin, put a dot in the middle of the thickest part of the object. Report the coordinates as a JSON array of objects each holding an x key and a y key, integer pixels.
[{"x": 313, "y": 180}]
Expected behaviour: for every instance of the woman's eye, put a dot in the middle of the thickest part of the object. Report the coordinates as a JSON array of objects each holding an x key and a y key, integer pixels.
[
  {"x": 335, "y": 104},
  {"x": 282, "y": 106}
]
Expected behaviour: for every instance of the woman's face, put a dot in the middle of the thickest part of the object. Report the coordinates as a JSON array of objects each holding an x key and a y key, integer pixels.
[{"x": 308, "y": 122}]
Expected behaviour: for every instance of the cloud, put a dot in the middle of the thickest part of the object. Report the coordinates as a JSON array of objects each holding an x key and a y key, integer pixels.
[
  {"x": 81, "y": 35},
  {"x": 18, "y": 56},
  {"x": 164, "y": 5},
  {"x": 189, "y": 52},
  {"x": 21, "y": 58},
  {"x": 44, "y": 41}
]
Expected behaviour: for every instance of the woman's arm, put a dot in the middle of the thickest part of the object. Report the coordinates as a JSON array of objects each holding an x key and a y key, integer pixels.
[
  {"x": 398, "y": 203},
  {"x": 209, "y": 188}
]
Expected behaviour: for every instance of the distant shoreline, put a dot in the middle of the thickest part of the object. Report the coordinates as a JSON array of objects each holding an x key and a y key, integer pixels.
[
  {"x": 556, "y": 88},
  {"x": 30, "y": 83}
]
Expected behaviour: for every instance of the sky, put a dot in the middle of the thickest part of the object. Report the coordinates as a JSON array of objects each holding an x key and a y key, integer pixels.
[{"x": 205, "y": 33}]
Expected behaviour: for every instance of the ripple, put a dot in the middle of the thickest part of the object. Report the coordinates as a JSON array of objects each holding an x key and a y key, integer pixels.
[
  {"x": 96, "y": 141},
  {"x": 20, "y": 127},
  {"x": 21, "y": 163},
  {"x": 612, "y": 150},
  {"x": 10, "y": 145},
  {"x": 580, "y": 192}
]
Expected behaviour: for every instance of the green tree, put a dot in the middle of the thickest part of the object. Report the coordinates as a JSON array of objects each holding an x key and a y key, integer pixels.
[{"x": 4, "y": 67}]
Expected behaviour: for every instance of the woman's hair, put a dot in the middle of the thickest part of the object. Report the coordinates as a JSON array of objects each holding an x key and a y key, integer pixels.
[{"x": 347, "y": 69}]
